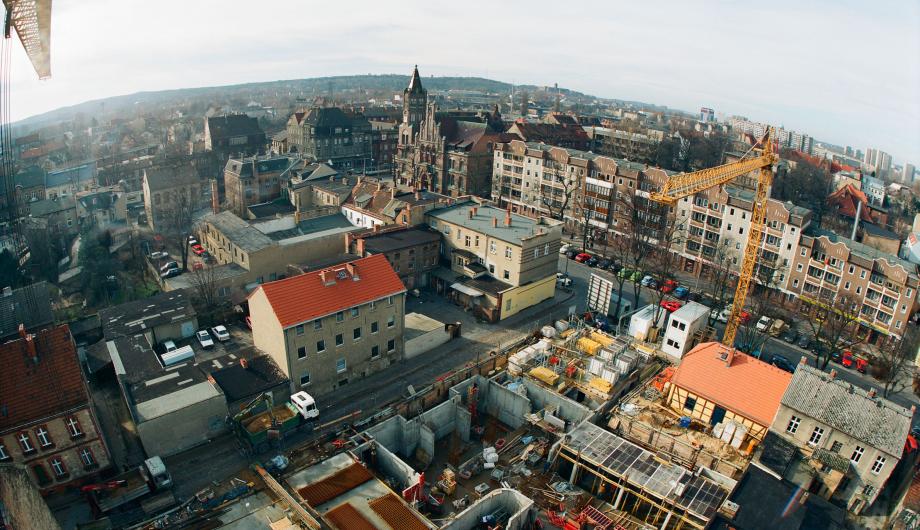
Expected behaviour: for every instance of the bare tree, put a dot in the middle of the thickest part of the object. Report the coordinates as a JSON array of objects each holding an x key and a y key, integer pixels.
[
  {"x": 206, "y": 286},
  {"x": 834, "y": 323},
  {"x": 663, "y": 261},
  {"x": 641, "y": 223},
  {"x": 720, "y": 274},
  {"x": 556, "y": 198},
  {"x": 177, "y": 221},
  {"x": 894, "y": 364}
]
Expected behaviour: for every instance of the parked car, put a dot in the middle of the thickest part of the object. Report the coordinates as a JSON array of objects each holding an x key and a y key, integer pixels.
[
  {"x": 790, "y": 336},
  {"x": 592, "y": 261},
  {"x": 169, "y": 265},
  {"x": 852, "y": 361},
  {"x": 764, "y": 323},
  {"x": 646, "y": 280},
  {"x": 192, "y": 241},
  {"x": 159, "y": 255},
  {"x": 582, "y": 257},
  {"x": 563, "y": 280},
  {"x": 604, "y": 264},
  {"x": 169, "y": 346},
  {"x": 804, "y": 342},
  {"x": 220, "y": 333},
  {"x": 625, "y": 273},
  {"x": 565, "y": 248},
  {"x": 204, "y": 338},
  {"x": 198, "y": 249},
  {"x": 170, "y": 273},
  {"x": 837, "y": 357},
  {"x": 782, "y": 363},
  {"x": 721, "y": 316},
  {"x": 668, "y": 286},
  {"x": 681, "y": 292},
  {"x": 671, "y": 305},
  {"x": 571, "y": 253},
  {"x": 615, "y": 268},
  {"x": 777, "y": 327},
  {"x": 636, "y": 276}
]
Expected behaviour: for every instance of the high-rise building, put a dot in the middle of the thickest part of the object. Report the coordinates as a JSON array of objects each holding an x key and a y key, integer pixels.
[
  {"x": 878, "y": 161},
  {"x": 907, "y": 174},
  {"x": 707, "y": 114}
]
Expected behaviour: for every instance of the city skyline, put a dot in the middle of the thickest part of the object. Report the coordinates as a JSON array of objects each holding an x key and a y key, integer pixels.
[{"x": 661, "y": 54}]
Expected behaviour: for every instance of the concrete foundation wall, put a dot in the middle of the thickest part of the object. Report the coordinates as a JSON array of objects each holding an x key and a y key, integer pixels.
[
  {"x": 507, "y": 406},
  {"x": 521, "y": 508},
  {"x": 393, "y": 467},
  {"x": 542, "y": 398},
  {"x": 185, "y": 428},
  {"x": 426, "y": 342},
  {"x": 426, "y": 441}
]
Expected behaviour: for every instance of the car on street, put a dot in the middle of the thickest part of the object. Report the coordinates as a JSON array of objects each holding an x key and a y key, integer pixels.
[
  {"x": 615, "y": 268},
  {"x": 782, "y": 363},
  {"x": 220, "y": 333},
  {"x": 790, "y": 336},
  {"x": 582, "y": 257},
  {"x": 563, "y": 279},
  {"x": 837, "y": 357},
  {"x": 169, "y": 346},
  {"x": 198, "y": 249},
  {"x": 604, "y": 264},
  {"x": 647, "y": 279},
  {"x": 204, "y": 338},
  {"x": 159, "y": 255},
  {"x": 565, "y": 248},
  {"x": 681, "y": 292},
  {"x": 668, "y": 286},
  {"x": 763, "y": 324},
  {"x": 592, "y": 261},
  {"x": 804, "y": 342},
  {"x": 169, "y": 265},
  {"x": 192, "y": 241},
  {"x": 671, "y": 305},
  {"x": 721, "y": 316},
  {"x": 852, "y": 361},
  {"x": 170, "y": 273},
  {"x": 572, "y": 253}
]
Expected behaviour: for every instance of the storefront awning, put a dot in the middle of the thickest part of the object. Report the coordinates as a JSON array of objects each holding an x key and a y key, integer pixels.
[{"x": 469, "y": 291}]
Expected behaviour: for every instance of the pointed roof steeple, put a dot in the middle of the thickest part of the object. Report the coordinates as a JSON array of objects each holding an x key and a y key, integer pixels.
[{"x": 415, "y": 84}]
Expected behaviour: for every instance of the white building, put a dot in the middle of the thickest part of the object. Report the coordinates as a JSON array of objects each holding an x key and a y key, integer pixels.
[{"x": 683, "y": 325}]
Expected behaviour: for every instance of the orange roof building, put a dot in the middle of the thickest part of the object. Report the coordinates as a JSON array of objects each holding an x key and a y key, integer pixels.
[
  {"x": 327, "y": 328},
  {"x": 716, "y": 384}
]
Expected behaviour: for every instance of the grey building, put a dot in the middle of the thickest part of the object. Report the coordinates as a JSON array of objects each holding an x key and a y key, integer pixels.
[
  {"x": 29, "y": 306},
  {"x": 332, "y": 135}
]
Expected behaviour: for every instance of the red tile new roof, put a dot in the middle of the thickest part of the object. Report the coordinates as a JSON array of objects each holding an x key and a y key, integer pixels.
[
  {"x": 30, "y": 389},
  {"x": 745, "y": 386},
  {"x": 305, "y": 297}
]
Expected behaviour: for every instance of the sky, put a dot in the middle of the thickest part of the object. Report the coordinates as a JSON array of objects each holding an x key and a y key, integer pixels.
[{"x": 843, "y": 71}]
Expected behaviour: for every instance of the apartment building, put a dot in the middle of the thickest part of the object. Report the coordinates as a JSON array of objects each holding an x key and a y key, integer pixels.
[
  {"x": 48, "y": 424},
  {"x": 233, "y": 134},
  {"x": 614, "y": 143},
  {"x": 342, "y": 136},
  {"x": 254, "y": 180},
  {"x": 500, "y": 262},
  {"x": 169, "y": 188},
  {"x": 842, "y": 442},
  {"x": 827, "y": 265},
  {"x": 412, "y": 251},
  {"x": 716, "y": 224},
  {"x": 331, "y": 327}
]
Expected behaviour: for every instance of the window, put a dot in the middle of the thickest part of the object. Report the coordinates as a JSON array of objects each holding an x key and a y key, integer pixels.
[
  {"x": 793, "y": 426},
  {"x": 846, "y": 286},
  {"x": 299, "y": 329},
  {"x": 852, "y": 269},
  {"x": 816, "y": 436},
  {"x": 374, "y": 327},
  {"x": 86, "y": 456},
  {"x": 339, "y": 340},
  {"x": 372, "y": 305},
  {"x": 44, "y": 439},
  {"x": 305, "y": 379},
  {"x": 868, "y": 490},
  {"x": 391, "y": 346},
  {"x": 506, "y": 274},
  {"x": 3, "y": 454},
  {"x": 41, "y": 475},
  {"x": 836, "y": 446},
  {"x": 356, "y": 334},
  {"x": 389, "y": 300},
  {"x": 317, "y": 324},
  {"x": 878, "y": 464},
  {"x": 340, "y": 316},
  {"x": 802, "y": 251},
  {"x": 491, "y": 247},
  {"x": 508, "y": 304},
  {"x": 354, "y": 312},
  {"x": 341, "y": 365},
  {"x": 60, "y": 470},
  {"x": 25, "y": 442},
  {"x": 73, "y": 427},
  {"x": 320, "y": 346},
  {"x": 690, "y": 403},
  {"x": 507, "y": 252},
  {"x": 862, "y": 275},
  {"x": 301, "y": 352},
  {"x": 375, "y": 352},
  {"x": 391, "y": 322}
]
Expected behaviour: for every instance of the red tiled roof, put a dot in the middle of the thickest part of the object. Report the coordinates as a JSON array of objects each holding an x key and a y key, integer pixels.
[
  {"x": 746, "y": 386},
  {"x": 307, "y": 296},
  {"x": 845, "y": 201},
  {"x": 31, "y": 390}
]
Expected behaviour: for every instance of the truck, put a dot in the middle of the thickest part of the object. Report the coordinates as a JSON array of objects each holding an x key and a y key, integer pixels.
[
  {"x": 151, "y": 476},
  {"x": 257, "y": 430},
  {"x": 602, "y": 297}
]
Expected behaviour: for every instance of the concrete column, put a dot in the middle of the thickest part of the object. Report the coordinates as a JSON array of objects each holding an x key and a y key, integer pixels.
[
  {"x": 666, "y": 519},
  {"x": 574, "y": 474},
  {"x": 619, "y": 499}
]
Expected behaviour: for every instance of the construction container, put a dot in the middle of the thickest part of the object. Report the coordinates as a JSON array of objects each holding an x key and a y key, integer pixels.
[
  {"x": 588, "y": 346},
  {"x": 541, "y": 373},
  {"x": 548, "y": 331},
  {"x": 740, "y": 434},
  {"x": 642, "y": 322},
  {"x": 595, "y": 366},
  {"x": 626, "y": 362},
  {"x": 601, "y": 385},
  {"x": 602, "y": 338},
  {"x": 561, "y": 325},
  {"x": 542, "y": 345},
  {"x": 605, "y": 354},
  {"x": 610, "y": 375}
]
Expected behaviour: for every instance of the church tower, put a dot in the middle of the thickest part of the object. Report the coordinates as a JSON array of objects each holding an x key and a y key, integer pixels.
[{"x": 414, "y": 99}]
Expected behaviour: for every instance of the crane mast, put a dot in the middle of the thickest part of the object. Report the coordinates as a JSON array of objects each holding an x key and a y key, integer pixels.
[{"x": 686, "y": 184}]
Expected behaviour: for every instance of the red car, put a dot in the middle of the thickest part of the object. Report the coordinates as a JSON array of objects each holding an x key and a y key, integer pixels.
[
  {"x": 198, "y": 249},
  {"x": 745, "y": 317},
  {"x": 851, "y": 361},
  {"x": 671, "y": 305},
  {"x": 583, "y": 257},
  {"x": 668, "y": 286}
]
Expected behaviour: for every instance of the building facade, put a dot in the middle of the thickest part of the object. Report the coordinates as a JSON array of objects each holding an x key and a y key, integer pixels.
[
  {"x": 49, "y": 425},
  {"x": 412, "y": 252},
  {"x": 254, "y": 180},
  {"x": 233, "y": 134},
  {"x": 342, "y": 138},
  {"x": 353, "y": 328},
  {"x": 168, "y": 189}
]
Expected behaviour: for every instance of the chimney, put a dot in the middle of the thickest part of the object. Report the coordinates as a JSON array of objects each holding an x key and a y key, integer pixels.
[
  {"x": 22, "y": 331},
  {"x": 30, "y": 345},
  {"x": 803, "y": 361},
  {"x": 215, "y": 199},
  {"x": 471, "y": 213},
  {"x": 730, "y": 357},
  {"x": 244, "y": 362},
  {"x": 871, "y": 393},
  {"x": 913, "y": 408},
  {"x": 376, "y": 228},
  {"x": 359, "y": 179},
  {"x": 352, "y": 271},
  {"x": 495, "y": 222},
  {"x": 380, "y": 186},
  {"x": 475, "y": 211},
  {"x": 393, "y": 192},
  {"x": 508, "y": 218},
  {"x": 833, "y": 374}
]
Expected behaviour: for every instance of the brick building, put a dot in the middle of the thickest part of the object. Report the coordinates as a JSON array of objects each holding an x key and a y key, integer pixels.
[
  {"x": 48, "y": 424},
  {"x": 233, "y": 134},
  {"x": 342, "y": 137},
  {"x": 254, "y": 180},
  {"x": 412, "y": 252}
]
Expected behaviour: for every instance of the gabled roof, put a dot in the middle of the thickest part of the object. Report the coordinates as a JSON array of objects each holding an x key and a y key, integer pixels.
[
  {"x": 42, "y": 386},
  {"x": 844, "y": 407},
  {"x": 233, "y": 125},
  {"x": 45, "y": 207},
  {"x": 845, "y": 201},
  {"x": 733, "y": 380},
  {"x": 415, "y": 83},
  {"x": 17, "y": 308},
  {"x": 168, "y": 177},
  {"x": 316, "y": 294},
  {"x": 30, "y": 177}
]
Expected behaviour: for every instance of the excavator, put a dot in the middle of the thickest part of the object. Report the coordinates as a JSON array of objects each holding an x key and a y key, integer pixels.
[{"x": 687, "y": 184}]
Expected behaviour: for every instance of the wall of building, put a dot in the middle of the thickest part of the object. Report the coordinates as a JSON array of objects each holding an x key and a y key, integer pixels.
[
  {"x": 185, "y": 428},
  {"x": 267, "y": 334},
  {"x": 516, "y": 300},
  {"x": 426, "y": 342},
  {"x": 703, "y": 409}
]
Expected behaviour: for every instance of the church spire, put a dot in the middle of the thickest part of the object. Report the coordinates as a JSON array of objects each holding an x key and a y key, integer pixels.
[{"x": 415, "y": 84}]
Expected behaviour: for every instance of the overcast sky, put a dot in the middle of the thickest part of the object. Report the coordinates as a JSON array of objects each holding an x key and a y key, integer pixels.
[{"x": 844, "y": 71}]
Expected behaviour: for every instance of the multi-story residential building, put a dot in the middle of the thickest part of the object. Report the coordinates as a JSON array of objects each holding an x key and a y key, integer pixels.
[
  {"x": 374, "y": 204},
  {"x": 341, "y": 137},
  {"x": 785, "y": 138},
  {"x": 907, "y": 173},
  {"x": 60, "y": 214},
  {"x": 412, "y": 252},
  {"x": 233, "y": 135},
  {"x": 71, "y": 180},
  {"x": 874, "y": 188},
  {"x": 351, "y": 327},
  {"x": 614, "y": 143},
  {"x": 255, "y": 180},
  {"x": 383, "y": 147},
  {"x": 168, "y": 188},
  {"x": 48, "y": 424},
  {"x": 841, "y": 441},
  {"x": 448, "y": 153},
  {"x": 827, "y": 265},
  {"x": 500, "y": 262},
  {"x": 570, "y": 135},
  {"x": 878, "y": 161},
  {"x": 716, "y": 224}
]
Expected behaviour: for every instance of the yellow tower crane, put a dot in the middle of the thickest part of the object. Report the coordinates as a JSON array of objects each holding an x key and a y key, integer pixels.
[{"x": 686, "y": 184}]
